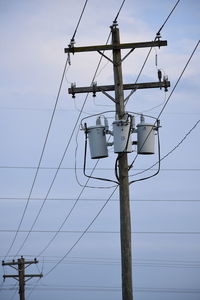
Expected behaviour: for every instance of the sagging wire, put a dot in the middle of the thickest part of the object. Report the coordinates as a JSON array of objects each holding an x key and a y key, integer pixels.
[
  {"x": 102, "y": 105},
  {"x": 171, "y": 151},
  {"x": 93, "y": 79},
  {"x": 159, "y": 163},
  {"x": 78, "y": 109},
  {"x": 154, "y": 107},
  {"x": 40, "y": 159},
  {"x": 130, "y": 116},
  {"x": 171, "y": 93},
  {"x": 84, "y": 126},
  {"x": 157, "y": 37},
  {"x": 69, "y": 64},
  {"x": 59, "y": 166},
  {"x": 156, "y": 127},
  {"x": 157, "y": 121},
  {"x": 84, "y": 232},
  {"x": 89, "y": 176},
  {"x": 85, "y": 162},
  {"x": 125, "y": 148}
]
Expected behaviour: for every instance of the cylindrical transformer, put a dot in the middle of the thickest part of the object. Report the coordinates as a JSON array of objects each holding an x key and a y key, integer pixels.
[
  {"x": 97, "y": 141},
  {"x": 145, "y": 138},
  {"x": 122, "y": 136}
]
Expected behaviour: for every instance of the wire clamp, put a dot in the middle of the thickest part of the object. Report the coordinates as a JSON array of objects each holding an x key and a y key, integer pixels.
[
  {"x": 71, "y": 45},
  {"x": 158, "y": 37}
]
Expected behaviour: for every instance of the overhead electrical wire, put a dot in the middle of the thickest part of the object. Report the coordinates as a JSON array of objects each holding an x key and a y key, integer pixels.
[
  {"x": 67, "y": 216},
  {"x": 179, "y": 78},
  {"x": 36, "y": 174},
  {"x": 101, "y": 199},
  {"x": 115, "y": 289},
  {"x": 99, "y": 169},
  {"x": 79, "y": 20},
  {"x": 136, "y": 262},
  {"x": 168, "y": 16},
  {"x": 83, "y": 187},
  {"x": 52, "y": 270},
  {"x": 88, "y": 226},
  {"x": 83, "y": 233},
  {"x": 171, "y": 93},
  {"x": 103, "y": 232},
  {"x": 172, "y": 150},
  {"x": 47, "y": 135},
  {"x": 40, "y": 160},
  {"x": 157, "y": 36},
  {"x": 55, "y": 175},
  {"x": 115, "y": 20},
  {"x": 90, "y": 176},
  {"x": 65, "y": 256},
  {"x": 58, "y": 168}
]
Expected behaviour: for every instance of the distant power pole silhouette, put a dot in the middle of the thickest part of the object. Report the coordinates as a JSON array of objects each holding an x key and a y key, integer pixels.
[{"x": 20, "y": 267}]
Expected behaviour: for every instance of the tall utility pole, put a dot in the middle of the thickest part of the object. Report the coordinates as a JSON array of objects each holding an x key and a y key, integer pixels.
[
  {"x": 20, "y": 263},
  {"x": 119, "y": 87},
  {"x": 125, "y": 218}
]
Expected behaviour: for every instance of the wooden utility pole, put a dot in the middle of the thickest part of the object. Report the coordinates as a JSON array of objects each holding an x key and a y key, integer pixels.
[
  {"x": 119, "y": 87},
  {"x": 20, "y": 263},
  {"x": 125, "y": 218}
]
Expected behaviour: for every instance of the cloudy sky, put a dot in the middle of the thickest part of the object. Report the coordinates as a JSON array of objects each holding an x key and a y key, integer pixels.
[{"x": 52, "y": 207}]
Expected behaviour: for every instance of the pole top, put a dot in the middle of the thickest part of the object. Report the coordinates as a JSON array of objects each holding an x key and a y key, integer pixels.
[{"x": 114, "y": 25}]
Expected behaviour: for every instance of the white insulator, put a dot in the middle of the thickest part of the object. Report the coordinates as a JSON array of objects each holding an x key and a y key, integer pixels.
[
  {"x": 97, "y": 142},
  {"x": 122, "y": 136},
  {"x": 145, "y": 138}
]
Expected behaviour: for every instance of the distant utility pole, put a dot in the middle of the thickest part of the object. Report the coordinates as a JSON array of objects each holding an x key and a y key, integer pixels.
[
  {"x": 119, "y": 87},
  {"x": 20, "y": 263}
]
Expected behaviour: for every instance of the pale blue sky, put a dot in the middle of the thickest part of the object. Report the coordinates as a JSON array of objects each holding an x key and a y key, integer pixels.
[{"x": 33, "y": 37}]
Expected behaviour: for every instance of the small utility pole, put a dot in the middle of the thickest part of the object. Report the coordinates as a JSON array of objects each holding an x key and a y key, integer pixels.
[
  {"x": 20, "y": 263},
  {"x": 119, "y": 87}
]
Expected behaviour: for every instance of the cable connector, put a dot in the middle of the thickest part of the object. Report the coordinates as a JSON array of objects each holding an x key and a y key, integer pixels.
[
  {"x": 71, "y": 45},
  {"x": 158, "y": 37},
  {"x": 157, "y": 125},
  {"x": 114, "y": 25}
]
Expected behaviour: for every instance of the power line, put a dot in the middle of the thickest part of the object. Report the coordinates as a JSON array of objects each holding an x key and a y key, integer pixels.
[
  {"x": 63, "y": 75},
  {"x": 171, "y": 151},
  {"x": 99, "y": 200},
  {"x": 99, "y": 169},
  {"x": 83, "y": 233},
  {"x": 157, "y": 36},
  {"x": 168, "y": 17},
  {"x": 115, "y": 20},
  {"x": 179, "y": 78},
  {"x": 67, "y": 216},
  {"x": 103, "y": 232},
  {"x": 167, "y": 101},
  {"x": 112, "y": 289},
  {"x": 40, "y": 160},
  {"x": 55, "y": 175},
  {"x": 79, "y": 20},
  {"x": 52, "y": 269}
]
